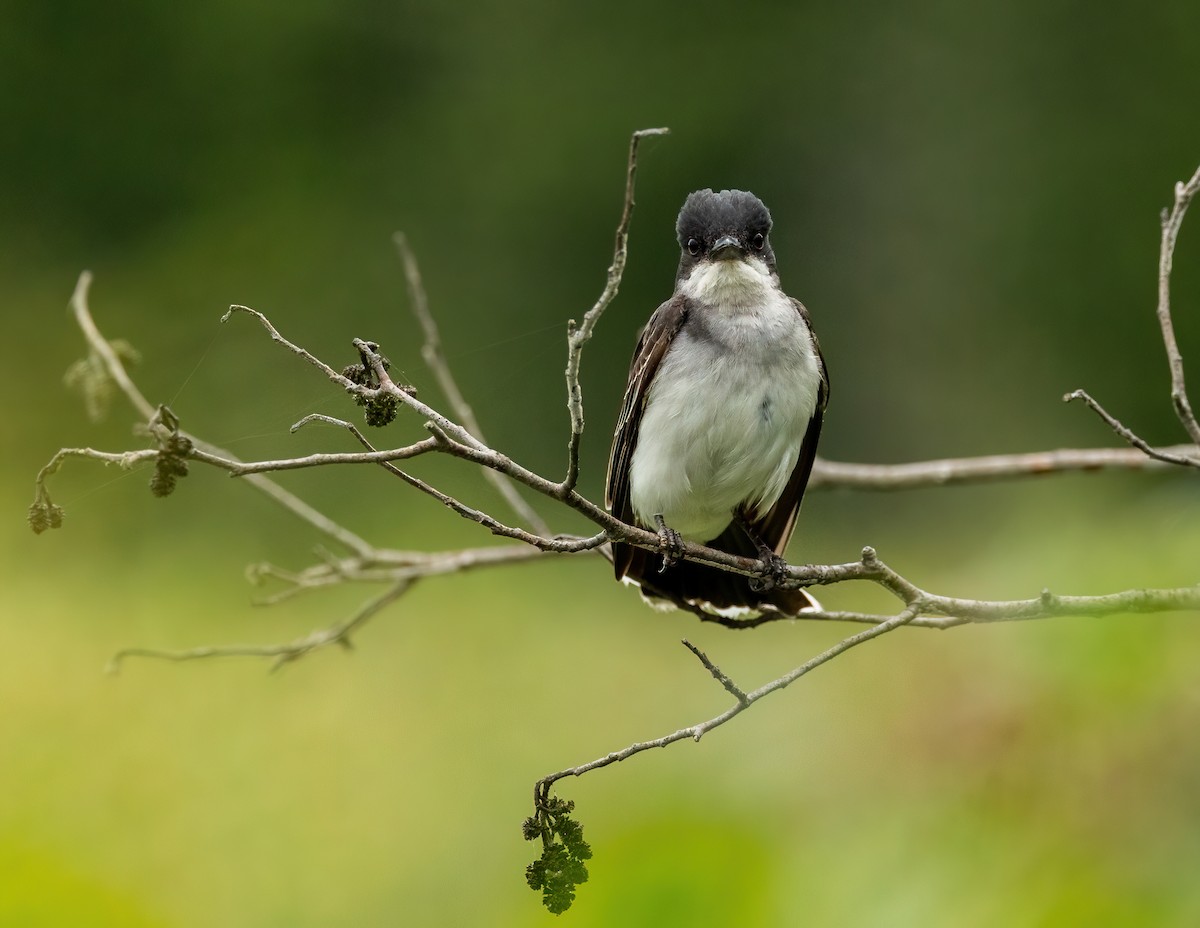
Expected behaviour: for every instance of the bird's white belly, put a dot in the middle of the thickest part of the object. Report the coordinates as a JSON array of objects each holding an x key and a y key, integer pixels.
[{"x": 724, "y": 421}]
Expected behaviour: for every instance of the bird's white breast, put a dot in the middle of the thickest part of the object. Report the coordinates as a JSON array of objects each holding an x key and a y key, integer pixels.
[{"x": 729, "y": 405}]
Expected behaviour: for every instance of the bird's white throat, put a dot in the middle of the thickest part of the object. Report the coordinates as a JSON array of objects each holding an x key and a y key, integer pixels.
[{"x": 738, "y": 284}]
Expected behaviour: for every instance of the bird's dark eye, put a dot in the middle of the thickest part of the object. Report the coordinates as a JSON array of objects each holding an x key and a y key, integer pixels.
[
  {"x": 758, "y": 242},
  {"x": 694, "y": 246}
]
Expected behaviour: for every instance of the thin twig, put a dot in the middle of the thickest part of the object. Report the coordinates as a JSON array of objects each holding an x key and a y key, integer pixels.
[
  {"x": 126, "y": 460},
  {"x": 697, "y": 731},
  {"x": 718, "y": 674},
  {"x": 557, "y": 545},
  {"x": 578, "y": 335},
  {"x": 965, "y": 610},
  {"x": 435, "y": 360},
  {"x": 100, "y": 346},
  {"x": 1167, "y": 457},
  {"x": 386, "y": 565},
  {"x": 1171, "y": 222},
  {"x": 319, "y": 459},
  {"x": 282, "y": 653}
]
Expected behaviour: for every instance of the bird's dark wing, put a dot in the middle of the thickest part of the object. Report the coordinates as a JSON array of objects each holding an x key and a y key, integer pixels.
[
  {"x": 652, "y": 347},
  {"x": 774, "y": 528}
]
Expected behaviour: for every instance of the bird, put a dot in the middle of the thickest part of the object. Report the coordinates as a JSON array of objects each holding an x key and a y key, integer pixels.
[{"x": 718, "y": 429}]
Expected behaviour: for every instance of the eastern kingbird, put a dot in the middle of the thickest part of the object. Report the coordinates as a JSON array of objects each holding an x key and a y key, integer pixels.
[{"x": 719, "y": 427}]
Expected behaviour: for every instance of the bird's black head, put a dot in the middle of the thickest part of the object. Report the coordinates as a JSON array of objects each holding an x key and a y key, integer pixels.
[{"x": 721, "y": 226}]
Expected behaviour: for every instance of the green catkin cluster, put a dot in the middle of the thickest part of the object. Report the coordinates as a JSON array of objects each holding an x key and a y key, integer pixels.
[{"x": 560, "y": 868}]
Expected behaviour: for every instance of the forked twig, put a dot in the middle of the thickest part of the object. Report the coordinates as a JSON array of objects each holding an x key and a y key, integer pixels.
[
  {"x": 579, "y": 335},
  {"x": 1172, "y": 219}
]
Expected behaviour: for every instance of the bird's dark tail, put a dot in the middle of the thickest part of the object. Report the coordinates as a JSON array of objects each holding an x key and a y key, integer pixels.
[{"x": 691, "y": 586}]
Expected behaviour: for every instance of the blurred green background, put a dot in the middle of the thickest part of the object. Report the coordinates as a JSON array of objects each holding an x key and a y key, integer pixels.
[{"x": 966, "y": 197}]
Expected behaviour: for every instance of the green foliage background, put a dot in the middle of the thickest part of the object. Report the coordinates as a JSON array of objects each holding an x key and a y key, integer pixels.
[{"x": 966, "y": 198}]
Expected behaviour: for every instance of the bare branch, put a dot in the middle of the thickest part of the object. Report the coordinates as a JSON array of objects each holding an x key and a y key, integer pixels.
[
  {"x": 719, "y": 675},
  {"x": 283, "y": 653},
  {"x": 123, "y": 459},
  {"x": 558, "y": 545},
  {"x": 100, "y": 346},
  {"x": 578, "y": 336},
  {"x": 958, "y": 612},
  {"x": 294, "y": 348},
  {"x": 697, "y": 731},
  {"x": 982, "y": 469},
  {"x": 1171, "y": 222},
  {"x": 387, "y": 564},
  {"x": 1048, "y": 605},
  {"x": 369, "y": 352},
  {"x": 1167, "y": 457},
  {"x": 243, "y": 468},
  {"x": 435, "y": 359}
]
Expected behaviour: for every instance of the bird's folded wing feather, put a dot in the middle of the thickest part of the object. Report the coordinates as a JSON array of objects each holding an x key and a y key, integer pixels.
[{"x": 652, "y": 347}]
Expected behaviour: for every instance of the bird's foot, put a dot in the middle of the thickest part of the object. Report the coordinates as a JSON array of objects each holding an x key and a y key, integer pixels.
[
  {"x": 670, "y": 543},
  {"x": 774, "y": 572}
]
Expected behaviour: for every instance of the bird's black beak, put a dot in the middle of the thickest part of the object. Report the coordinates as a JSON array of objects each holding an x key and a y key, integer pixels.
[{"x": 726, "y": 248}]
